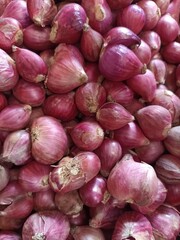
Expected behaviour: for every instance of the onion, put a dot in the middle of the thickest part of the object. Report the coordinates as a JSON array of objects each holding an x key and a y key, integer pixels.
[
  {"x": 4, "y": 175},
  {"x": 18, "y": 10},
  {"x": 10, "y": 33},
  {"x": 46, "y": 225},
  {"x": 89, "y": 97},
  {"x": 14, "y": 117},
  {"x": 143, "y": 52},
  {"x": 171, "y": 52},
  {"x": 164, "y": 216},
  {"x": 44, "y": 200},
  {"x": 7, "y": 223},
  {"x": 36, "y": 38},
  {"x": 87, "y": 135},
  {"x": 135, "y": 105},
  {"x": 47, "y": 56},
  {"x": 29, "y": 93},
  {"x": 172, "y": 141},
  {"x": 68, "y": 24},
  {"x": 9, "y": 235},
  {"x": 178, "y": 75},
  {"x": 85, "y": 232},
  {"x": 33, "y": 177},
  {"x": 41, "y": 12},
  {"x": 158, "y": 67},
  {"x": 154, "y": 117},
  {"x": 167, "y": 167},
  {"x": 8, "y": 71},
  {"x": 173, "y": 9},
  {"x": 65, "y": 76},
  {"x": 69, "y": 203},
  {"x": 163, "y": 5},
  {"x": 144, "y": 85},
  {"x": 99, "y": 15},
  {"x": 61, "y": 106},
  {"x": 109, "y": 153},
  {"x": 137, "y": 20},
  {"x": 90, "y": 43},
  {"x": 30, "y": 65},
  {"x": 112, "y": 67},
  {"x": 3, "y": 101},
  {"x": 46, "y": 130},
  {"x": 36, "y": 112},
  {"x": 118, "y": 4},
  {"x": 132, "y": 225},
  {"x": 132, "y": 182},
  {"x": 173, "y": 194},
  {"x": 73, "y": 173},
  {"x": 93, "y": 73},
  {"x": 112, "y": 116},
  {"x": 3, "y": 5},
  {"x": 17, "y": 148},
  {"x": 170, "y": 79},
  {"x": 79, "y": 219},
  {"x": 130, "y": 136}
]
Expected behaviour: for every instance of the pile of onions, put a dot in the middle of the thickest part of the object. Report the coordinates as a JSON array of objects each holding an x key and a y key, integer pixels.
[{"x": 89, "y": 119}]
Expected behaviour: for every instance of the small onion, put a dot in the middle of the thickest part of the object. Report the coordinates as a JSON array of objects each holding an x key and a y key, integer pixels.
[
  {"x": 171, "y": 52},
  {"x": 3, "y": 5},
  {"x": 170, "y": 79},
  {"x": 172, "y": 141},
  {"x": 78, "y": 219},
  {"x": 173, "y": 9},
  {"x": 163, "y": 5},
  {"x": 85, "y": 232},
  {"x": 173, "y": 194},
  {"x": 4, "y": 175},
  {"x": 93, "y": 73},
  {"x": 158, "y": 67},
  {"x": 44, "y": 200},
  {"x": 118, "y": 4},
  {"x": 143, "y": 52}
]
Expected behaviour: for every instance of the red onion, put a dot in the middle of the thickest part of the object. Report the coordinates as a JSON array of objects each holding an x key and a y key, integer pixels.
[
  {"x": 46, "y": 225},
  {"x": 18, "y": 10},
  {"x": 73, "y": 173},
  {"x": 9, "y": 74},
  {"x": 109, "y": 153},
  {"x": 163, "y": 5},
  {"x": 157, "y": 118},
  {"x": 174, "y": 10},
  {"x": 143, "y": 52},
  {"x": 167, "y": 167},
  {"x": 92, "y": 193},
  {"x": 64, "y": 76},
  {"x": 87, "y": 232},
  {"x": 173, "y": 194},
  {"x": 87, "y": 135},
  {"x": 171, "y": 52},
  {"x": 36, "y": 38},
  {"x": 113, "y": 68},
  {"x": 164, "y": 216},
  {"x": 112, "y": 116},
  {"x": 135, "y": 22},
  {"x": 4, "y": 175},
  {"x": 118, "y": 92},
  {"x": 158, "y": 67},
  {"x": 9, "y": 235},
  {"x": 132, "y": 225},
  {"x": 7, "y": 223},
  {"x": 144, "y": 85},
  {"x": 3, "y": 5},
  {"x": 172, "y": 141},
  {"x": 68, "y": 24},
  {"x": 121, "y": 35},
  {"x": 135, "y": 105},
  {"x": 14, "y": 117},
  {"x": 61, "y": 106},
  {"x": 29, "y": 93},
  {"x": 3, "y": 101},
  {"x": 33, "y": 176},
  {"x": 69, "y": 203},
  {"x": 49, "y": 140},
  {"x": 21, "y": 207},
  {"x": 130, "y": 136},
  {"x": 118, "y": 4},
  {"x": 152, "y": 13},
  {"x": 13, "y": 101},
  {"x": 42, "y": 12},
  {"x": 132, "y": 182},
  {"x": 170, "y": 79},
  {"x": 90, "y": 43},
  {"x": 153, "y": 40},
  {"x": 10, "y": 33},
  {"x": 151, "y": 152},
  {"x": 44, "y": 200},
  {"x": 17, "y": 148},
  {"x": 30, "y": 65},
  {"x": 47, "y": 56},
  {"x": 36, "y": 112},
  {"x": 79, "y": 219},
  {"x": 93, "y": 73},
  {"x": 89, "y": 97},
  {"x": 99, "y": 15},
  {"x": 169, "y": 100}
]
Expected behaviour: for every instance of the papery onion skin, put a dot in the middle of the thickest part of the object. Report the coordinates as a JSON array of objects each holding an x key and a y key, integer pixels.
[
  {"x": 172, "y": 141},
  {"x": 46, "y": 224},
  {"x": 113, "y": 68},
  {"x": 154, "y": 117},
  {"x": 48, "y": 129},
  {"x": 87, "y": 232},
  {"x": 158, "y": 67}
]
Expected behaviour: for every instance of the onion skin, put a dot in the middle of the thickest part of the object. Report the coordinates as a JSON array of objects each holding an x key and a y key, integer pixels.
[
  {"x": 68, "y": 24},
  {"x": 154, "y": 117},
  {"x": 118, "y": 4},
  {"x": 9, "y": 235},
  {"x": 15, "y": 117},
  {"x": 48, "y": 129},
  {"x": 93, "y": 73},
  {"x": 3, "y": 5},
  {"x": 173, "y": 194},
  {"x": 172, "y": 141},
  {"x": 173, "y": 9},
  {"x": 85, "y": 232},
  {"x": 163, "y": 5},
  {"x": 111, "y": 56},
  {"x": 44, "y": 200},
  {"x": 171, "y": 52},
  {"x": 46, "y": 224},
  {"x": 73, "y": 173},
  {"x": 158, "y": 67},
  {"x": 143, "y": 52},
  {"x": 5, "y": 177}
]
